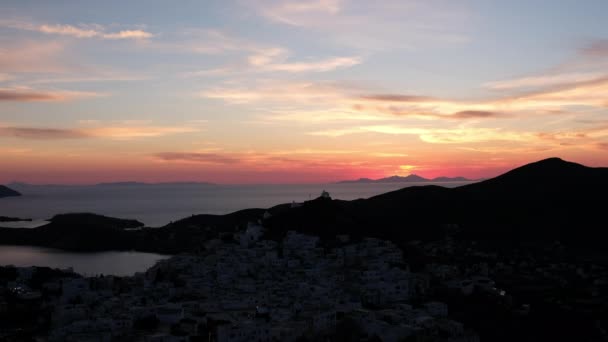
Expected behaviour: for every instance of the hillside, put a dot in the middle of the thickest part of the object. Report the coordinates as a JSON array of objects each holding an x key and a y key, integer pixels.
[
  {"x": 548, "y": 200},
  {"x": 81, "y": 231},
  {"x": 539, "y": 203}
]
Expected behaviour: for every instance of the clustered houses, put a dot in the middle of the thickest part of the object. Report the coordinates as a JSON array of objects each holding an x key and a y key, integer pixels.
[
  {"x": 550, "y": 276},
  {"x": 256, "y": 290}
]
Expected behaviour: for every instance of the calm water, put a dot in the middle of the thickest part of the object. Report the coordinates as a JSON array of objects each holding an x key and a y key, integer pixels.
[
  {"x": 157, "y": 205},
  {"x": 154, "y": 205},
  {"x": 90, "y": 264}
]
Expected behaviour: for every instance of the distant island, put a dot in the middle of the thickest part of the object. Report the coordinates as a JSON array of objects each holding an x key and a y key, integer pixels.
[
  {"x": 13, "y": 219},
  {"x": 113, "y": 184},
  {"x": 541, "y": 202},
  {"x": 413, "y": 178},
  {"x": 8, "y": 192},
  {"x": 132, "y": 183}
]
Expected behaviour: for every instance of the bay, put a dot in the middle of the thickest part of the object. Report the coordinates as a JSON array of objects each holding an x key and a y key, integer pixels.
[
  {"x": 118, "y": 263},
  {"x": 158, "y": 204}
]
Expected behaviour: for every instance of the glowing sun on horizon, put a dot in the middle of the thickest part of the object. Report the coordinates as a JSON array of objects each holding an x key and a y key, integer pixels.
[{"x": 405, "y": 170}]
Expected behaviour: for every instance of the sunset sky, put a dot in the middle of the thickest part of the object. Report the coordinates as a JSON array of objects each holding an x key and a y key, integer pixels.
[{"x": 263, "y": 91}]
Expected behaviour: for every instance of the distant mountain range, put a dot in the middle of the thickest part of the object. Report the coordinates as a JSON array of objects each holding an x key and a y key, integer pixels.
[
  {"x": 152, "y": 184},
  {"x": 127, "y": 183},
  {"x": 8, "y": 192},
  {"x": 407, "y": 179},
  {"x": 543, "y": 203}
]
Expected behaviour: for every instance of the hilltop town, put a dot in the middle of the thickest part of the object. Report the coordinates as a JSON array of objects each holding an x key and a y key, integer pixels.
[
  {"x": 543, "y": 275},
  {"x": 244, "y": 289},
  {"x": 247, "y": 288}
]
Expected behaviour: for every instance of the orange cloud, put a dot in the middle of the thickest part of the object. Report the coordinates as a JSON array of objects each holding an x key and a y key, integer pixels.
[
  {"x": 589, "y": 93},
  {"x": 292, "y": 12},
  {"x": 488, "y": 140},
  {"x": 29, "y": 95},
  {"x": 274, "y": 60},
  {"x": 278, "y": 92},
  {"x": 266, "y": 59},
  {"x": 128, "y": 34},
  {"x": 66, "y": 30},
  {"x": 134, "y": 132},
  {"x": 117, "y": 133},
  {"x": 543, "y": 80}
]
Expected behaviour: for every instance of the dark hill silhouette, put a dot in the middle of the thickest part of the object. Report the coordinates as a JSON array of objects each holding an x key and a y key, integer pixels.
[
  {"x": 551, "y": 176},
  {"x": 13, "y": 219},
  {"x": 81, "y": 231},
  {"x": 537, "y": 203},
  {"x": 73, "y": 221},
  {"x": 548, "y": 200},
  {"x": 451, "y": 179},
  {"x": 223, "y": 223},
  {"x": 90, "y": 232},
  {"x": 8, "y": 192}
]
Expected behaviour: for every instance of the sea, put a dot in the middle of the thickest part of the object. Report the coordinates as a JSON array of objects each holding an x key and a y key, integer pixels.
[
  {"x": 117, "y": 263},
  {"x": 155, "y": 205}
]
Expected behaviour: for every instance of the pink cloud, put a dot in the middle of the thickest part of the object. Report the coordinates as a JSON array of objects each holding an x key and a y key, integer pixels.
[
  {"x": 80, "y": 31},
  {"x": 598, "y": 48}
]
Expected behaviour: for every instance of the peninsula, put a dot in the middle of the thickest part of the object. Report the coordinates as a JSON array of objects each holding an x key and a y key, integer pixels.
[{"x": 8, "y": 192}]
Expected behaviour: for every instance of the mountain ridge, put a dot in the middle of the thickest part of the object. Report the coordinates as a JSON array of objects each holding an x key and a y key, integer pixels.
[{"x": 412, "y": 178}]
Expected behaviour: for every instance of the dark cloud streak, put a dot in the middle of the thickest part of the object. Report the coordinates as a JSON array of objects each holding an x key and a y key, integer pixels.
[
  {"x": 471, "y": 114},
  {"x": 396, "y": 98},
  {"x": 41, "y": 133},
  {"x": 211, "y": 158},
  {"x": 27, "y": 96}
]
